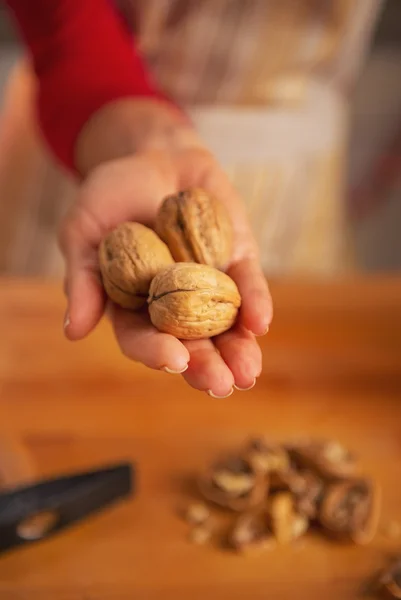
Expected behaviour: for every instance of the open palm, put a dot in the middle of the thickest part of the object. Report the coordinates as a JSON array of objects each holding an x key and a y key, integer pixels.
[{"x": 131, "y": 189}]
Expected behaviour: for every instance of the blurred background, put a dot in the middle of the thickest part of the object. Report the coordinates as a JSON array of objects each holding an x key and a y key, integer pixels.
[{"x": 350, "y": 220}]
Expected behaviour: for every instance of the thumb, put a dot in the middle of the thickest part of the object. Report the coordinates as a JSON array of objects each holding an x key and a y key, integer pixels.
[
  {"x": 85, "y": 301},
  {"x": 83, "y": 286}
]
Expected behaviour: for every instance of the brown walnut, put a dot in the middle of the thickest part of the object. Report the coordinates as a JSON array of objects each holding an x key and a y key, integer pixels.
[
  {"x": 327, "y": 458},
  {"x": 130, "y": 256},
  {"x": 350, "y": 510},
  {"x": 200, "y": 534},
  {"x": 196, "y": 227},
  {"x": 251, "y": 532},
  {"x": 286, "y": 523},
  {"x": 234, "y": 483},
  {"x": 267, "y": 456},
  {"x": 192, "y": 301},
  {"x": 197, "y": 514},
  {"x": 308, "y": 494}
]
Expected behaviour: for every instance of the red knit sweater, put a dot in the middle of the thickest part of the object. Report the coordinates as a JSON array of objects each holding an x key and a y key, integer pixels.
[{"x": 84, "y": 57}]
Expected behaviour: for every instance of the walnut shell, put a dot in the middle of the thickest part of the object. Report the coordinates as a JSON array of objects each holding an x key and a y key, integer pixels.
[
  {"x": 251, "y": 532},
  {"x": 350, "y": 510},
  {"x": 130, "y": 256},
  {"x": 197, "y": 514},
  {"x": 309, "y": 494},
  {"x": 196, "y": 227},
  {"x": 268, "y": 456},
  {"x": 192, "y": 301},
  {"x": 328, "y": 458},
  {"x": 234, "y": 483}
]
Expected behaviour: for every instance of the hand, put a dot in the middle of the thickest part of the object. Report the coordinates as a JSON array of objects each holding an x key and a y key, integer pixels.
[{"x": 132, "y": 188}]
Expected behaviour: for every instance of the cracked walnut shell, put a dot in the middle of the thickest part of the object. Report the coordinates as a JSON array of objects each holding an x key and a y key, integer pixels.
[
  {"x": 350, "y": 510},
  {"x": 327, "y": 458},
  {"x": 267, "y": 456},
  {"x": 192, "y": 301},
  {"x": 130, "y": 256},
  {"x": 196, "y": 227},
  {"x": 251, "y": 532},
  {"x": 234, "y": 483}
]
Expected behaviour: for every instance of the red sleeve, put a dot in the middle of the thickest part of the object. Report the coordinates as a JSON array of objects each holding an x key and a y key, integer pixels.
[{"x": 84, "y": 57}]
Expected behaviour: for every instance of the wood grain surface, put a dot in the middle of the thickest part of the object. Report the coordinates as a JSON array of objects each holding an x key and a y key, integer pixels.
[{"x": 332, "y": 367}]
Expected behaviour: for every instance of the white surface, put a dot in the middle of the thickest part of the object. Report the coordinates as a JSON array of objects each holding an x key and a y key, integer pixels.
[{"x": 243, "y": 135}]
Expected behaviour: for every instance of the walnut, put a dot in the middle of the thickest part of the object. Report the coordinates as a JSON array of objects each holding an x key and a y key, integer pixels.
[
  {"x": 267, "y": 456},
  {"x": 196, "y": 227},
  {"x": 235, "y": 484},
  {"x": 308, "y": 495},
  {"x": 197, "y": 514},
  {"x": 276, "y": 491},
  {"x": 300, "y": 525},
  {"x": 251, "y": 532},
  {"x": 286, "y": 524},
  {"x": 130, "y": 256},
  {"x": 350, "y": 510},
  {"x": 200, "y": 534},
  {"x": 329, "y": 459},
  {"x": 192, "y": 301}
]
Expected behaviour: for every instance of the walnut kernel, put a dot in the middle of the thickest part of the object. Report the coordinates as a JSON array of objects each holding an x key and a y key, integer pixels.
[{"x": 197, "y": 514}]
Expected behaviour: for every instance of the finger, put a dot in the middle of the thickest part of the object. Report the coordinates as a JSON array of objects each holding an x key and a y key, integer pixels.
[
  {"x": 82, "y": 284},
  {"x": 140, "y": 341},
  {"x": 86, "y": 301},
  {"x": 256, "y": 309},
  {"x": 242, "y": 355},
  {"x": 207, "y": 371}
]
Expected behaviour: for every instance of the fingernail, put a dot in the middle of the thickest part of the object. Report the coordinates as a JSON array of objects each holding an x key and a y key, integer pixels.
[
  {"x": 66, "y": 320},
  {"x": 173, "y": 371},
  {"x": 212, "y": 395},
  {"x": 245, "y": 389},
  {"x": 264, "y": 332}
]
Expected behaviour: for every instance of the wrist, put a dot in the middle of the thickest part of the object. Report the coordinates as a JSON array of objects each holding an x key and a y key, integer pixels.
[{"x": 130, "y": 125}]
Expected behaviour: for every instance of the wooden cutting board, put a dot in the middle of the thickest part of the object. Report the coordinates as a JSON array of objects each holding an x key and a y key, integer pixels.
[
  {"x": 16, "y": 462},
  {"x": 332, "y": 367}
]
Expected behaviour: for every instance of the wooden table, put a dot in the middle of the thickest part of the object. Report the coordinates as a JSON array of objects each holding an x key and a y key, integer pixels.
[{"x": 332, "y": 368}]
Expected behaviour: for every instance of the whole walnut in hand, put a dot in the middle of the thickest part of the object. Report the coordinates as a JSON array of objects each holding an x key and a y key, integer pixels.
[
  {"x": 192, "y": 301},
  {"x": 130, "y": 256},
  {"x": 196, "y": 227}
]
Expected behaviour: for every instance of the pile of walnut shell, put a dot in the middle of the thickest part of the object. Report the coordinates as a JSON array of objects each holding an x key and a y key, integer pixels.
[
  {"x": 277, "y": 492},
  {"x": 178, "y": 269}
]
